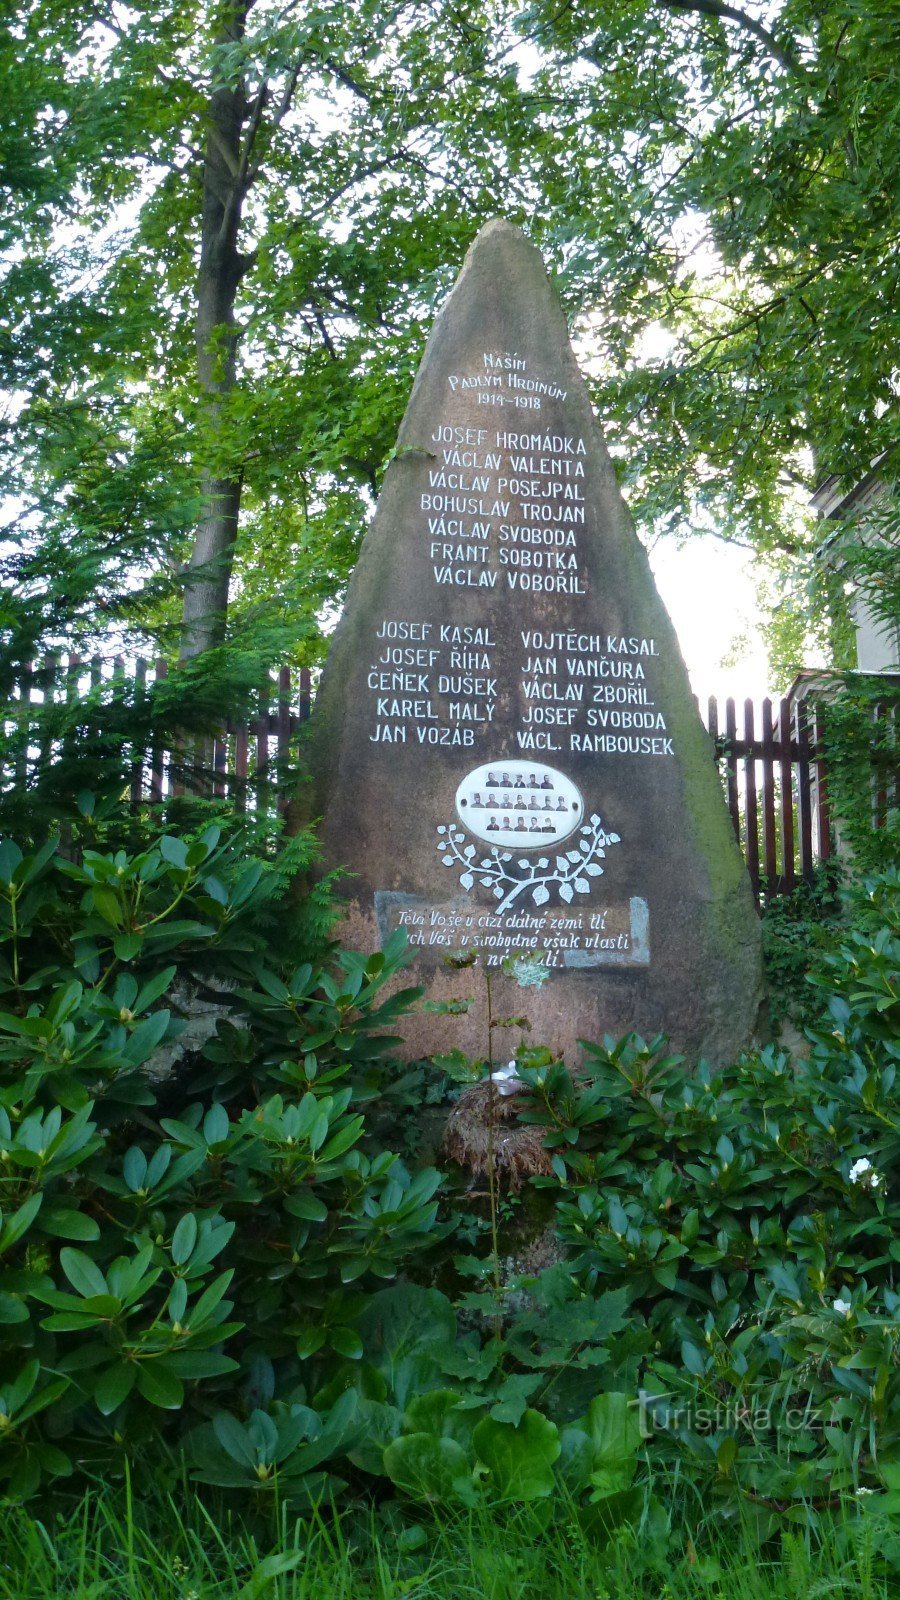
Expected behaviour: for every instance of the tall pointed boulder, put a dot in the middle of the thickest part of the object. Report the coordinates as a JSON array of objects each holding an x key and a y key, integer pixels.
[{"x": 505, "y": 746}]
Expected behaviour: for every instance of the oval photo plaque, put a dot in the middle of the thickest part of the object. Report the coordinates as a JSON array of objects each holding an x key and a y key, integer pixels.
[{"x": 519, "y": 803}]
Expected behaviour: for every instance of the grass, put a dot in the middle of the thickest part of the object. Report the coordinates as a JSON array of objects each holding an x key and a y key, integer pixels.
[{"x": 174, "y": 1546}]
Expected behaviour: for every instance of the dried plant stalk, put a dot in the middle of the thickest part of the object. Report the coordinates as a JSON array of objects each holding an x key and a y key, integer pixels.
[{"x": 518, "y": 1149}]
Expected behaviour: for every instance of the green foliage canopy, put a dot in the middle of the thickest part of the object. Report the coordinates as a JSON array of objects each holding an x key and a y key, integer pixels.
[{"x": 703, "y": 183}]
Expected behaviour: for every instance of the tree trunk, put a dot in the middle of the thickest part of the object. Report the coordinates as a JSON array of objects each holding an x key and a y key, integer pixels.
[{"x": 221, "y": 268}]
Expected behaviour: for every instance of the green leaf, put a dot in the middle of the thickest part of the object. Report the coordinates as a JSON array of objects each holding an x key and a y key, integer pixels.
[
  {"x": 234, "y": 1439},
  {"x": 25, "y": 1027},
  {"x": 26, "y": 1477},
  {"x": 407, "y": 1331},
  {"x": 614, "y": 1425},
  {"x": 83, "y": 1274},
  {"x": 200, "y": 1364},
  {"x": 428, "y": 1467},
  {"x": 211, "y": 1298},
  {"x": 153, "y": 988},
  {"x": 216, "y": 1126},
  {"x": 349, "y": 1135},
  {"x": 23, "y": 1385},
  {"x": 32, "y": 865},
  {"x": 309, "y": 1341},
  {"x": 143, "y": 1039},
  {"x": 198, "y": 852},
  {"x": 346, "y": 1342},
  {"x": 576, "y": 1459},
  {"x": 513, "y": 1395},
  {"x": 12, "y": 1309},
  {"x": 174, "y": 851},
  {"x": 399, "y": 1321},
  {"x": 265, "y": 1573},
  {"x": 519, "y": 1459},
  {"x": 273, "y": 985},
  {"x": 10, "y": 857},
  {"x": 64, "y": 1002},
  {"x": 441, "y": 1411},
  {"x": 134, "y": 1168},
  {"x": 42, "y": 1400},
  {"x": 71, "y": 1321},
  {"x": 107, "y": 905},
  {"x": 63, "y": 1223},
  {"x": 184, "y": 1239},
  {"x": 20, "y": 1221},
  {"x": 690, "y": 1227},
  {"x": 693, "y": 1358},
  {"x": 609, "y": 1512},
  {"x": 114, "y": 1385},
  {"x": 158, "y": 1384},
  {"x": 306, "y": 1205},
  {"x": 785, "y": 1281}
]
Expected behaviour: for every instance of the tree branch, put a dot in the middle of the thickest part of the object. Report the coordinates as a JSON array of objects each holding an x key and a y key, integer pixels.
[
  {"x": 347, "y": 79},
  {"x": 284, "y": 103},
  {"x": 277, "y": 118},
  {"x": 728, "y": 13},
  {"x": 253, "y": 126},
  {"x": 754, "y": 318},
  {"x": 322, "y": 326}
]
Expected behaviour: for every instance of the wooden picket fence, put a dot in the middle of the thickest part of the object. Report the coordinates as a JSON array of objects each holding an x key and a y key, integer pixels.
[
  {"x": 772, "y": 765},
  {"x": 770, "y": 758},
  {"x": 246, "y": 763}
]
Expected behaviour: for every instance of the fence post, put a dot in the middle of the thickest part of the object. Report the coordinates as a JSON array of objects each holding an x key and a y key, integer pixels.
[
  {"x": 220, "y": 765},
  {"x": 137, "y": 761},
  {"x": 731, "y": 785},
  {"x": 305, "y": 694},
  {"x": 284, "y": 735},
  {"x": 823, "y": 826},
  {"x": 158, "y": 756},
  {"x": 47, "y": 680},
  {"x": 25, "y": 688},
  {"x": 240, "y": 768},
  {"x": 768, "y": 798},
  {"x": 751, "y": 817},
  {"x": 804, "y": 799},
  {"x": 785, "y": 742},
  {"x": 73, "y": 667},
  {"x": 262, "y": 747}
]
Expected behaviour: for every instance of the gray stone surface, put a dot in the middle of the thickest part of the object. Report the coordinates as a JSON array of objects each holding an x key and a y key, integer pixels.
[
  {"x": 201, "y": 1016},
  {"x": 505, "y": 746}
]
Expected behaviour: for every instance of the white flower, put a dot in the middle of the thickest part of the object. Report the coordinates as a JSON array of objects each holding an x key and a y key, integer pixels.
[
  {"x": 863, "y": 1490},
  {"x": 506, "y": 1079},
  {"x": 843, "y": 1306},
  {"x": 862, "y": 1171}
]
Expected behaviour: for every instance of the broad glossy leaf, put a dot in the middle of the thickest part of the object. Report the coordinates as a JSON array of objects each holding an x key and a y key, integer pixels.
[
  {"x": 428, "y": 1466},
  {"x": 83, "y": 1273},
  {"x": 519, "y": 1459},
  {"x": 160, "y": 1385},
  {"x": 114, "y": 1385}
]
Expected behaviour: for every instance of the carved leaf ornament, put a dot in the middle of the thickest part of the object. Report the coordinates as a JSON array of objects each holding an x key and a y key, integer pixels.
[{"x": 545, "y": 879}]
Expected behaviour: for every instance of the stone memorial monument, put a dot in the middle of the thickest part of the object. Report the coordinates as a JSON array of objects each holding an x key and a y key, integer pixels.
[{"x": 505, "y": 748}]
